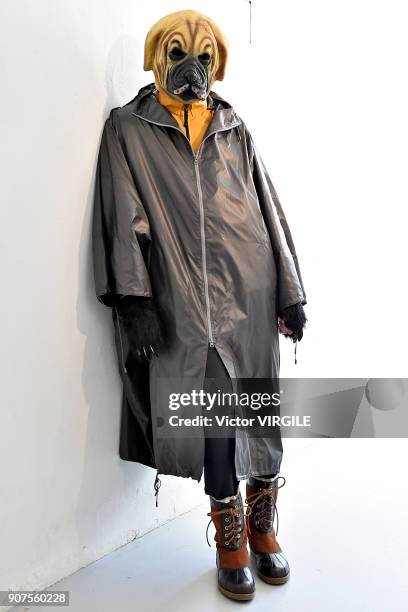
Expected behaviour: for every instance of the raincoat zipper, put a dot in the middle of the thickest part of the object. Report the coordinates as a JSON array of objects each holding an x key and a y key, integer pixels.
[
  {"x": 202, "y": 230},
  {"x": 203, "y": 251},
  {"x": 196, "y": 156}
]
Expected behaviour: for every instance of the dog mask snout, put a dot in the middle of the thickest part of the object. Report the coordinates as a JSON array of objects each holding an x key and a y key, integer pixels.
[{"x": 189, "y": 75}]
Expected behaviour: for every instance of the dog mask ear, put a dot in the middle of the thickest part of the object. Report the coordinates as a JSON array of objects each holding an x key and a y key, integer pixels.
[
  {"x": 222, "y": 46},
  {"x": 152, "y": 39}
]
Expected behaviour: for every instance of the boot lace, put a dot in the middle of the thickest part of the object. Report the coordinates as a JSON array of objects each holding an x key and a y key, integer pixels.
[
  {"x": 263, "y": 503},
  {"x": 234, "y": 526}
]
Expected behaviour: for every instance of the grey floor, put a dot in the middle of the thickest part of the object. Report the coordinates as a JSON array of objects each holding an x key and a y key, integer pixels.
[{"x": 343, "y": 517}]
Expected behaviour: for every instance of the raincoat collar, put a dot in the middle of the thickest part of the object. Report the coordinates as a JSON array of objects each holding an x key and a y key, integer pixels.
[
  {"x": 176, "y": 107},
  {"x": 147, "y": 107}
]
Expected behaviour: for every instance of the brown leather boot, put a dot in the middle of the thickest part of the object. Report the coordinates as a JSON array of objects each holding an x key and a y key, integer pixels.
[
  {"x": 235, "y": 579},
  {"x": 266, "y": 554}
]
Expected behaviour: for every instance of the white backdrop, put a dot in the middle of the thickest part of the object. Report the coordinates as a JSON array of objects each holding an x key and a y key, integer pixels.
[{"x": 324, "y": 91}]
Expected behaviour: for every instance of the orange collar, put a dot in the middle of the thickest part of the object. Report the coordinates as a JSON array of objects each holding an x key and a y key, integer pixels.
[{"x": 176, "y": 107}]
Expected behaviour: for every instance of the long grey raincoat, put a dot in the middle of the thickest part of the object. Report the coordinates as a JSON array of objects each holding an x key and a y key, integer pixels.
[{"x": 205, "y": 235}]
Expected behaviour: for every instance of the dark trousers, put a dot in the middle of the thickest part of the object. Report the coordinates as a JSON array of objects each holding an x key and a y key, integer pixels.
[{"x": 220, "y": 479}]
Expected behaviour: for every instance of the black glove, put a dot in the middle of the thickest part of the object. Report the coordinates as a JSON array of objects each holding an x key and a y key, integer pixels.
[
  {"x": 295, "y": 319},
  {"x": 141, "y": 320}
]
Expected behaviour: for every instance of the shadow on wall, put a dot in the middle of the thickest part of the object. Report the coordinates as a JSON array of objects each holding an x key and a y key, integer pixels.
[{"x": 107, "y": 499}]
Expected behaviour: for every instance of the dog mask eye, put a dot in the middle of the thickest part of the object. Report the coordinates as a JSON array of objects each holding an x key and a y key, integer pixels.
[
  {"x": 176, "y": 54},
  {"x": 204, "y": 59}
]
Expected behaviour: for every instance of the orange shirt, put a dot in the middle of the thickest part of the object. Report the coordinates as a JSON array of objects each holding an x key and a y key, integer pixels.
[{"x": 199, "y": 116}]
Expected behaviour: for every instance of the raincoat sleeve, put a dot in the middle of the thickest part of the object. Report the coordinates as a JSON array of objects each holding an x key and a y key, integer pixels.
[
  {"x": 290, "y": 284},
  {"x": 120, "y": 227}
]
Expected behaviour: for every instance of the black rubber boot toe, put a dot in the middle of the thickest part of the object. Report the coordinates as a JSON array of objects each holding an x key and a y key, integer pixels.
[
  {"x": 236, "y": 583},
  {"x": 273, "y": 568}
]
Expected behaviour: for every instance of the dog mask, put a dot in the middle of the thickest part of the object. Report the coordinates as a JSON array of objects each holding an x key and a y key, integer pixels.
[{"x": 187, "y": 53}]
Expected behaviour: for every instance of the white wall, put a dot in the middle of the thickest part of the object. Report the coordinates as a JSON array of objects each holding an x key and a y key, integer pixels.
[{"x": 322, "y": 87}]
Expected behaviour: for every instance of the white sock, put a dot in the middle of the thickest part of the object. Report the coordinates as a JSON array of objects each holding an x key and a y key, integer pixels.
[
  {"x": 226, "y": 500},
  {"x": 266, "y": 479}
]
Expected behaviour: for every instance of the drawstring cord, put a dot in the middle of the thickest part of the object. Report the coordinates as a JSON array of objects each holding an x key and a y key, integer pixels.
[
  {"x": 120, "y": 342},
  {"x": 186, "y": 121},
  {"x": 156, "y": 486},
  {"x": 250, "y": 21},
  {"x": 296, "y": 352}
]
